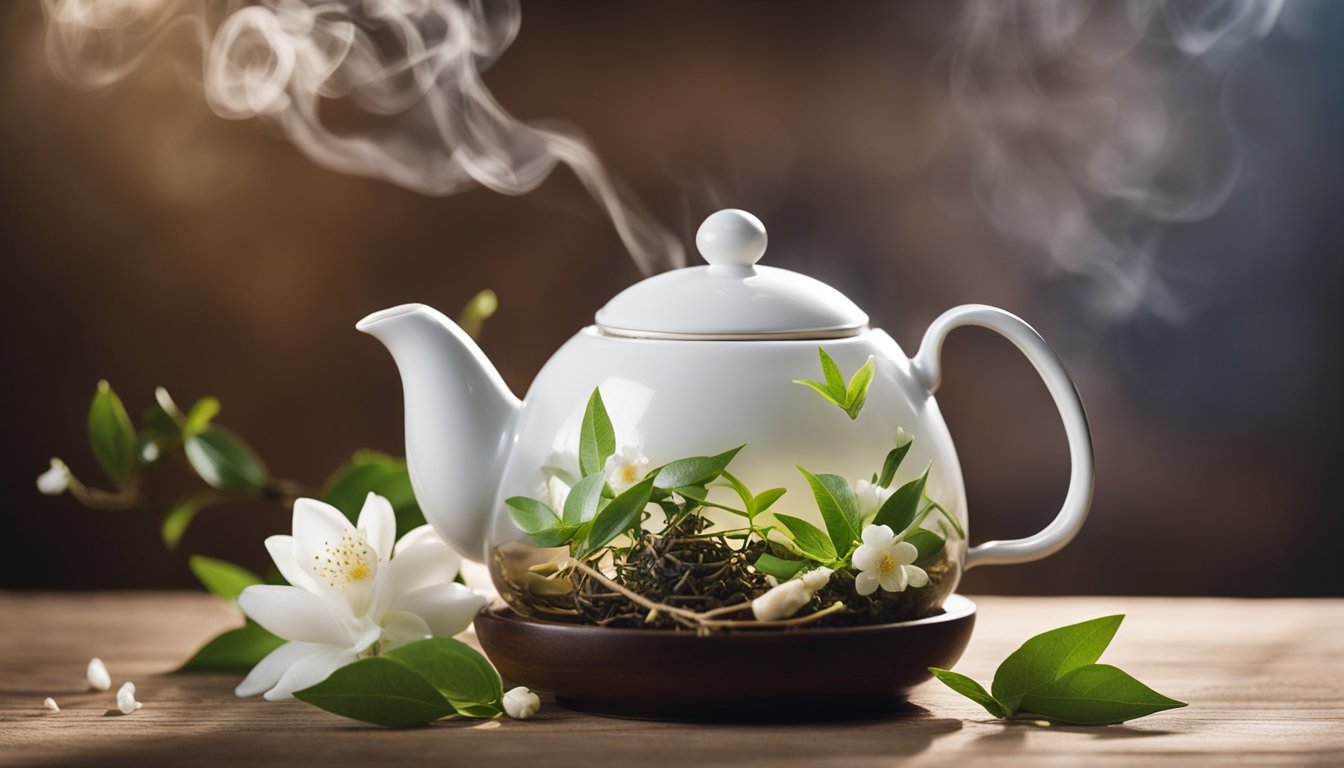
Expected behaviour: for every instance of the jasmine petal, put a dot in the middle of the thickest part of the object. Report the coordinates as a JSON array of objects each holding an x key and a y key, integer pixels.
[
  {"x": 99, "y": 679},
  {"x": 126, "y": 702}
]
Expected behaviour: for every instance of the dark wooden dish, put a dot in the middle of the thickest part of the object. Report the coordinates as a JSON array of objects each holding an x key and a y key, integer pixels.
[{"x": 803, "y": 674}]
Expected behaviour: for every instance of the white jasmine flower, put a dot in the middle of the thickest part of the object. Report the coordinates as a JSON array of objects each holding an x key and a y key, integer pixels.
[
  {"x": 885, "y": 562},
  {"x": 352, "y": 594},
  {"x": 626, "y": 467},
  {"x": 521, "y": 703},
  {"x": 55, "y": 480},
  {"x": 126, "y": 702},
  {"x": 871, "y": 497},
  {"x": 50, "y": 704},
  {"x": 97, "y": 675},
  {"x": 784, "y": 600},
  {"x": 557, "y": 491}
]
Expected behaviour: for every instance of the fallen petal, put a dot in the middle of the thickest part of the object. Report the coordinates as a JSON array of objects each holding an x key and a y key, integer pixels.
[
  {"x": 99, "y": 679},
  {"x": 50, "y": 704},
  {"x": 126, "y": 702}
]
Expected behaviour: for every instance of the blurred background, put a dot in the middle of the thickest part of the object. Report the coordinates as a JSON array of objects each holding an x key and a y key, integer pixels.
[{"x": 1155, "y": 187}]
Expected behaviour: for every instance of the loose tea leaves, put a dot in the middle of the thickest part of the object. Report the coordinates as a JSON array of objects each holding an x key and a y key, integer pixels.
[
  {"x": 1054, "y": 676},
  {"x": 643, "y": 553}
]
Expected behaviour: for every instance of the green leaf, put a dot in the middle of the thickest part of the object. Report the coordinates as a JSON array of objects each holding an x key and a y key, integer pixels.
[
  {"x": 618, "y": 516},
  {"x": 893, "y": 463},
  {"x": 469, "y": 683},
  {"x": 839, "y": 508},
  {"x": 697, "y": 470},
  {"x": 198, "y": 418},
  {"x": 112, "y": 436},
  {"x": 820, "y": 389},
  {"x": 375, "y": 472},
  {"x": 835, "y": 381},
  {"x": 899, "y": 510},
  {"x": 180, "y": 515},
  {"x": 970, "y": 689},
  {"x": 221, "y": 578},
  {"x": 927, "y": 542},
  {"x": 743, "y": 493},
  {"x": 857, "y": 394},
  {"x": 1096, "y": 694},
  {"x": 779, "y": 567},
  {"x": 597, "y": 438},
  {"x": 581, "y": 503},
  {"x": 224, "y": 461},
  {"x": 810, "y": 540},
  {"x": 237, "y": 650},
  {"x": 381, "y": 691},
  {"x": 765, "y": 499},
  {"x": 530, "y": 515},
  {"x": 1049, "y": 656}
]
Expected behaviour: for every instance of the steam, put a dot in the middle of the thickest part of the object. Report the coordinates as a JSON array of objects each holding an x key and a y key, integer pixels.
[
  {"x": 406, "y": 72},
  {"x": 1093, "y": 125}
]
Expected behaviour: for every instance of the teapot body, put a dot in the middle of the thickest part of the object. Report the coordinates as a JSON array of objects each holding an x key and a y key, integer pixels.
[{"x": 669, "y": 399}]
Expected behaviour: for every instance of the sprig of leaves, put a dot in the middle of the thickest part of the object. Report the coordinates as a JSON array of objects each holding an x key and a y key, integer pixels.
[
  {"x": 231, "y": 471},
  {"x": 848, "y": 398},
  {"x": 594, "y": 515},
  {"x": 904, "y": 511},
  {"x": 1054, "y": 676},
  {"x": 412, "y": 685}
]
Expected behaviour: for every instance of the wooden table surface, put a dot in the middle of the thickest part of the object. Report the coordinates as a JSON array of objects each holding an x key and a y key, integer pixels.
[{"x": 1265, "y": 682}]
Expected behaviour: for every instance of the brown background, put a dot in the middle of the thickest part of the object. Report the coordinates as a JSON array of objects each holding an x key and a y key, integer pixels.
[{"x": 149, "y": 242}]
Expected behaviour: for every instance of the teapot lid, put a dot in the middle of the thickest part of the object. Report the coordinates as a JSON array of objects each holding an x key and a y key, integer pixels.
[{"x": 731, "y": 297}]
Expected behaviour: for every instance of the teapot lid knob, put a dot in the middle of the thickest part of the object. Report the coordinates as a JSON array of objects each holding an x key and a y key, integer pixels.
[{"x": 731, "y": 238}]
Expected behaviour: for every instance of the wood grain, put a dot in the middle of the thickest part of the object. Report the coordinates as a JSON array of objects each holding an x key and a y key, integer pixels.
[{"x": 1265, "y": 682}]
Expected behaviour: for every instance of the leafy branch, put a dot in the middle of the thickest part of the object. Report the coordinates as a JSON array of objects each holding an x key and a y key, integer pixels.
[{"x": 132, "y": 455}]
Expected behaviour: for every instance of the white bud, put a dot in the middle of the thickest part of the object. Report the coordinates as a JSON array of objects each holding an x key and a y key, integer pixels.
[
  {"x": 50, "y": 704},
  {"x": 784, "y": 600},
  {"x": 97, "y": 675},
  {"x": 55, "y": 480},
  {"x": 521, "y": 703},
  {"x": 126, "y": 702},
  {"x": 903, "y": 437}
]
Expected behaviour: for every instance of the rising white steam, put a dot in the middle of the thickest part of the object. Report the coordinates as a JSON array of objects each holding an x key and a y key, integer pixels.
[
  {"x": 1094, "y": 124},
  {"x": 411, "y": 69}
]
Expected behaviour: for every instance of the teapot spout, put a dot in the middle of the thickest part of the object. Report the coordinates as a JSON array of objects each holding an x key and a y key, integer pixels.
[{"x": 460, "y": 419}]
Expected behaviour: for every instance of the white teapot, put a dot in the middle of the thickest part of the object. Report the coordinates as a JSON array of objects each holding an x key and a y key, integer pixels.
[{"x": 688, "y": 363}]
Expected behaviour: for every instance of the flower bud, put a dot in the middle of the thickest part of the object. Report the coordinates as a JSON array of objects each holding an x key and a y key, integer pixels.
[
  {"x": 51, "y": 704},
  {"x": 521, "y": 703},
  {"x": 784, "y": 600},
  {"x": 55, "y": 480}
]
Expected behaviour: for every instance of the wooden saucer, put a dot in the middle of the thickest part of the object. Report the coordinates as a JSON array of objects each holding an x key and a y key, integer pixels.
[{"x": 803, "y": 674}]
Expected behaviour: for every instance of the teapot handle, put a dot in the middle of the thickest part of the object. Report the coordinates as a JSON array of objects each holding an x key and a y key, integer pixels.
[{"x": 1064, "y": 527}]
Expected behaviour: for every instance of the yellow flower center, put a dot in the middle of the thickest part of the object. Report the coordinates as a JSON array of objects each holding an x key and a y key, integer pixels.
[
  {"x": 886, "y": 564},
  {"x": 629, "y": 472},
  {"x": 349, "y": 560}
]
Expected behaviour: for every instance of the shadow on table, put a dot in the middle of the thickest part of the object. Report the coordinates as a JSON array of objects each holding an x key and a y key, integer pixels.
[{"x": 1010, "y": 731}]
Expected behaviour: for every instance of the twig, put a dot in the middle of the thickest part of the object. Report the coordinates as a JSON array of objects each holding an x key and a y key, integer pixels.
[{"x": 702, "y": 621}]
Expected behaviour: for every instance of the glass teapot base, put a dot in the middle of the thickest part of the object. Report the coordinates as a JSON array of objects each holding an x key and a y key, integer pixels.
[{"x": 685, "y": 677}]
